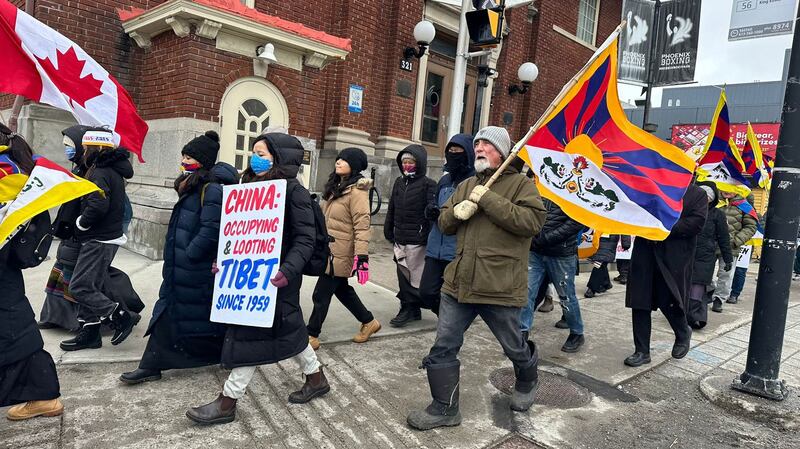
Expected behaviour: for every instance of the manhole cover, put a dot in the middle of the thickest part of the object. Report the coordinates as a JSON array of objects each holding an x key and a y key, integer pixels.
[
  {"x": 517, "y": 442},
  {"x": 553, "y": 390}
]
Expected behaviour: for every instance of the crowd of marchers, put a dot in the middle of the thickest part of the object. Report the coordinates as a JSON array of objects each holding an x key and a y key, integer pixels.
[{"x": 462, "y": 250}]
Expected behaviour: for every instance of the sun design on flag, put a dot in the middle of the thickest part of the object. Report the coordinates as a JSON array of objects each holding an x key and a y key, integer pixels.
[{"x": 68, "y": 80}]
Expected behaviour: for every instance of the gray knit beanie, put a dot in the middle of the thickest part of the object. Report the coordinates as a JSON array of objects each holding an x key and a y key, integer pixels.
[{"x": 497, "y": 136}]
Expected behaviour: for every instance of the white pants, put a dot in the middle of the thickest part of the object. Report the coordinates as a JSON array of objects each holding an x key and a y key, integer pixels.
[
  {"x": 724, "y": 280},
  {"x": 240, "y": 377}
]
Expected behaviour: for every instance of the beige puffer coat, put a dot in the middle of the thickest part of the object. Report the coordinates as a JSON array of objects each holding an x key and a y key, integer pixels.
[{"x": 347, "y": 219}]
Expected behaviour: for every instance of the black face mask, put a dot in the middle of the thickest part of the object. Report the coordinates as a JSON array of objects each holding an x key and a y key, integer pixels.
[{"x": 456, "y": 162}]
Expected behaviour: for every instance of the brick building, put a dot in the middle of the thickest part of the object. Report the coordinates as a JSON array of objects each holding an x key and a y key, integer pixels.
[{"x": 190, "y": 66}]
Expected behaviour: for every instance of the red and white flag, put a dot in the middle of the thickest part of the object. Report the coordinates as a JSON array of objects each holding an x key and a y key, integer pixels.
[{"x": 42, "y": 65}]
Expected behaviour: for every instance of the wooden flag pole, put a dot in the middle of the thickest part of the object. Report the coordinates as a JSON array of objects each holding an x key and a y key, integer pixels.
[{"x": 570, "y": 84}]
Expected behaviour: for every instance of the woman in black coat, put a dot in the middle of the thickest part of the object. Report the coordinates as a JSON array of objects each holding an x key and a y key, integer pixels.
[
  {"x": 27, "y": 373},
  {"x": 660, "y": 276},
  {"x": 714, "y": 235},
  {"x": 181, "y": 335},
  {"x": 599, "y": 281},
  {"x": 275, "y": 156}
]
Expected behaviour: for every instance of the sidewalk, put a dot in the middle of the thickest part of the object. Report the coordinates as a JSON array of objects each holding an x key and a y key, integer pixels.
[{"x": 585, "y": 400}]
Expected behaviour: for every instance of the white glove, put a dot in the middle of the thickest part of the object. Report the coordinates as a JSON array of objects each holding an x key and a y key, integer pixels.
[
  {"x": 477, "y": 193},
  {"x": 465, "y": 210}
]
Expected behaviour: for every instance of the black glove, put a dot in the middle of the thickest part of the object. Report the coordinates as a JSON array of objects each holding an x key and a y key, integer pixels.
[
  {"x": 728, "y": 266},
  {"x": 431, "y": 212}
]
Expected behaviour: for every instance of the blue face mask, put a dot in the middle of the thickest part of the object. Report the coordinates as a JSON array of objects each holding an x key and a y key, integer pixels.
[
  {"x": 69, "y": 152},
  {"x": 260, "y": 164}
]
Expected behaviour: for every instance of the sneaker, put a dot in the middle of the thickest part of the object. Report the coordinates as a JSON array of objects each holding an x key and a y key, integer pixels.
[
  {"x": 717, "y": 305},
  {"x": 88, "y": 338},
  {"x": 733, "y": 299},
  {"x": 366, "y": 331},
  {"x": 573, "y": 343}
]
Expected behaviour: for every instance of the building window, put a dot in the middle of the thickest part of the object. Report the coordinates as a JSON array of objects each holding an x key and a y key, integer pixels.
[
  {"x": 253, "y": 117},
  {"x": 678, "y": 102},
  {"x": 669, "y": 102},
  {"x": 587, "y": 20}
]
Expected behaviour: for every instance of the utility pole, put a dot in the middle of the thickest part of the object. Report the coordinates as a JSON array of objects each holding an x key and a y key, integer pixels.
[
  {"x": 651, "y": 69},
  {"x": 780, "y": 243}
]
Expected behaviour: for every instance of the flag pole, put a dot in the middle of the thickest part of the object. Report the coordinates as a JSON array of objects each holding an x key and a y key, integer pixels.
[{"x": 564, "y": 90}]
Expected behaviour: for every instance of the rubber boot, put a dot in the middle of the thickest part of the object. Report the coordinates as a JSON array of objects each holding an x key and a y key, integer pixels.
[
  {"x": 443, "y": 410},
  {"x": 526, "y": 383}
]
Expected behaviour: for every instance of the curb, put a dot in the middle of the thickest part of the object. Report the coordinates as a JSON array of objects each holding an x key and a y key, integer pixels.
[{"x": 785, "y": 415}]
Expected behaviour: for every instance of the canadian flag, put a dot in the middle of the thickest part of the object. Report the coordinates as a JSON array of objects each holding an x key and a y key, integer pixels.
[{"x": 42, "y": 65}]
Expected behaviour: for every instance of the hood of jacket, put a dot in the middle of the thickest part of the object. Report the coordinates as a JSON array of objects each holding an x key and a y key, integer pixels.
[
  {"x": 715, "y": 201},
  {"x": 419, "y": 153},
  {"x": 75, "y": 133},
  {"x": 224, "y": 173},
  {"x": 119, "y": 159},
  {"x": 465, "y": 142},
  {"x": 287, "y": 151}
]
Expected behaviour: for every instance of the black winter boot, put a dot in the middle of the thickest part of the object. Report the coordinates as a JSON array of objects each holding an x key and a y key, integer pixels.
[
  {"x": 526, "y": 383},
  {"x": 443, "y": 410},
  {"x": 316, "y": 385},
  {"x": 122, "y": 321},
  {"x": 88, "y": 338},
  {"x": 140, "y": 375},
  {"x": 222, "y": 410},
  {"x": 406, "y": 314}
]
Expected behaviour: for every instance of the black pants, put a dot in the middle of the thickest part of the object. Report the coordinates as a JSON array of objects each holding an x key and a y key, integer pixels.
[
  {"x": 642, "y": 325},
  {"x": 624, "y": 267},
  {"x": 88, "y": 278},
  {"x": 599, "y": 280},
  {"x": 326, "y": 287},
  {"x": 430, "y": 286},
  {"x": 408, "y": 295}
]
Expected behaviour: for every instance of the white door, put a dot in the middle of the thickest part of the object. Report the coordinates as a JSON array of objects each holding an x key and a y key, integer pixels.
[{"x": 249, "y": 106}]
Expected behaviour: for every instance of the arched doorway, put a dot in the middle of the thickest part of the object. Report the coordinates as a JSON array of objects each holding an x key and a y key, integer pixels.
[{"x": 248, "y": 107}]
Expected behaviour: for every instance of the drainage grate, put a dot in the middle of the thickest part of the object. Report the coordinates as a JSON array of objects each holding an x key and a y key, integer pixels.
[
  {"x": 553, "y": 390},
  {"x": 517, "y": 442}
]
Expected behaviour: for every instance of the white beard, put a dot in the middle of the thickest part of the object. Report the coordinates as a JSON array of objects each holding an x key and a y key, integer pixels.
[{"x": 481, "y": 165}]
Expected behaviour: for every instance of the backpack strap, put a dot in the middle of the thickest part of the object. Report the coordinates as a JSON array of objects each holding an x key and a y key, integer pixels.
[{"x": 203, "y": 193}]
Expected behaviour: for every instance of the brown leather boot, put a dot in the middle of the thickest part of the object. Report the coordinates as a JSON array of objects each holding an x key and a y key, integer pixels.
[
  {"x": 366, "y": 331},
  {"x": 32, "y": 409},
  {"x": 316, "y": 385},
  {"x": 221, "y": 411}
]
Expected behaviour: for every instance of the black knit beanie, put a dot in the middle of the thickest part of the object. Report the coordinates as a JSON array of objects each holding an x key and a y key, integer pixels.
[
  {"x": 204, "y": 149},
  {"x": 355, "y": 157}
]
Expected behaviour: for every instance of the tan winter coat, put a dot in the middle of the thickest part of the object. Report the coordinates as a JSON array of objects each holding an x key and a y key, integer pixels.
[
  {"x": 347, "y": 219},
  {"x": 491, "y": 263}
]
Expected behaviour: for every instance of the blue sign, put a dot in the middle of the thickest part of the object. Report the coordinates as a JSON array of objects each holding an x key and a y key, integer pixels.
[{"x": 356, "y": 99}]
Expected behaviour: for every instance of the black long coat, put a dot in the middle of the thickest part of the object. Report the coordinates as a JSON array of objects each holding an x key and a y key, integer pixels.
[
  {"x": 405, "y": 216},
  {"x": 190, "y": 248},
  {"x": 19, "y": 335},
  {"x": 671, "y": 259},
  {"x": 714, "y": 235},
  {"x": 251, "y": 346}
]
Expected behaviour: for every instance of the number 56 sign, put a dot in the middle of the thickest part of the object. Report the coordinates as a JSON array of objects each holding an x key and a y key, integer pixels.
[{"x": 249, "y": 253}]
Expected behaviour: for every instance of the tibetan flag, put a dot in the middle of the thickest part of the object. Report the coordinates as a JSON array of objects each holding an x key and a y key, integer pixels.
[
  {"x": 756, "y": 163},
  {"x": 727, "y": 173},
  {"x": 719, "y": 133},
  {"x": 22, "y": 196},
  {"x": 588, "y": 243},
  {"x": 602, "y": 170}
]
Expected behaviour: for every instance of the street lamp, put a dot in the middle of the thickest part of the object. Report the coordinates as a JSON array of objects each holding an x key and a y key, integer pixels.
[
  {"x": 527, "y": 73},
  {"x": 424, "y": 32}
]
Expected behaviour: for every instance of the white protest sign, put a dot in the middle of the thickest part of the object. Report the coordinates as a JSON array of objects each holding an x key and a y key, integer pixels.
[
  {"x": 622, "y": 253},
  {"x": 743, "y": 261},
  {"x": 249, "y": 253}
]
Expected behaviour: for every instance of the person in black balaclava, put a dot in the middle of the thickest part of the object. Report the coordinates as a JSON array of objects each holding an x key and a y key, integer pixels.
[{"x": 460, "y": 158}]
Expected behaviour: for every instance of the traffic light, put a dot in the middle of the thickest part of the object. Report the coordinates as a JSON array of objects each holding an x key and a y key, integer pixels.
[{"x": 486, "y": 23}]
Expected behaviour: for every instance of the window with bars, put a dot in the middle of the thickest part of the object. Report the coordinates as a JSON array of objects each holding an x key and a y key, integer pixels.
[
  {"x": 253, "y": 118},
  {"x": 587, "y": 20}
]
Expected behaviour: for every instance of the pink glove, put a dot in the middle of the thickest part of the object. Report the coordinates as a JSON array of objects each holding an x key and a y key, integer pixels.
[
  {"x": 280, "y": 280},
  {"x": 361, "y": 268},
  {"x": 214, "y": 268}
]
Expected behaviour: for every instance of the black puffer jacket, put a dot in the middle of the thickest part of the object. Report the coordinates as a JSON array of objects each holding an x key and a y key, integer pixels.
[
  {"x": 189, "y": 250},
  {"x": 19, "y": 335},
  {"x": 713, "y": 238},
  {"x": 103, "y": 213},
  {"x": 559, "y": 235},
  {"x": 405, "y": 218},
  {"x": 251, "y": 346},
  {"x": 607, "y": 251}
]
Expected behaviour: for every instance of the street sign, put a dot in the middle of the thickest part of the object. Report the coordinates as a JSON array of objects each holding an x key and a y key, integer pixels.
[
  {"x": 356, "y": 99},
  {"x": 752, "y": 19}
]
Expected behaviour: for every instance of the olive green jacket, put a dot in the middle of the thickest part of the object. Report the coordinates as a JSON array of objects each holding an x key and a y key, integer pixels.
[{"x": 491, "y": 262}]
